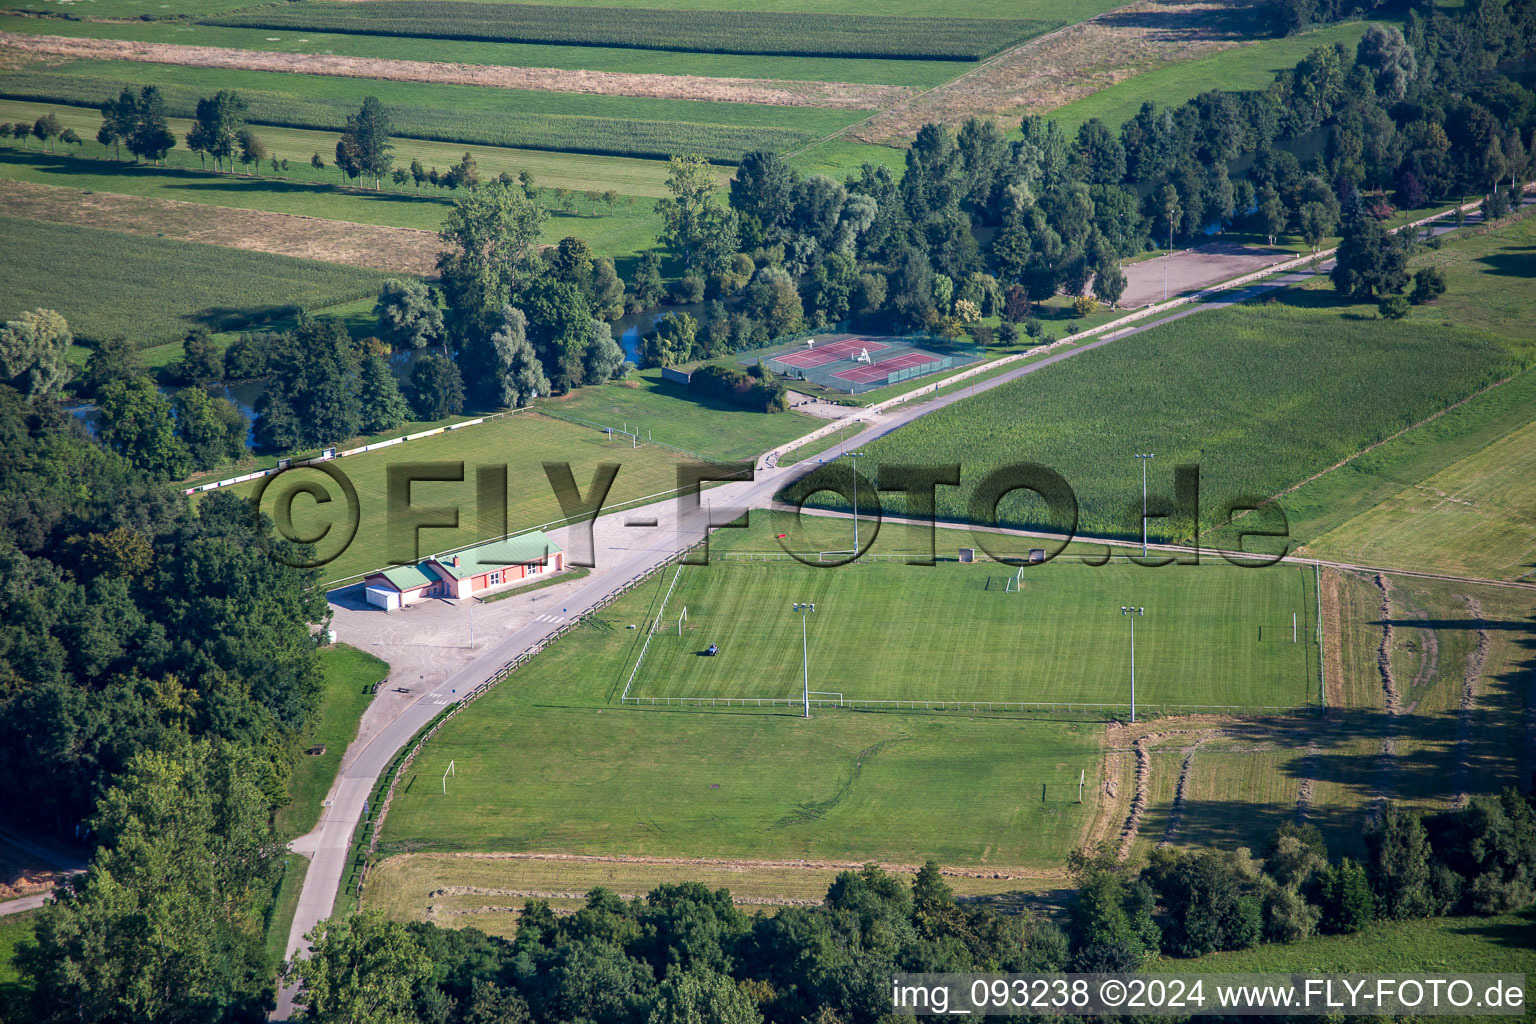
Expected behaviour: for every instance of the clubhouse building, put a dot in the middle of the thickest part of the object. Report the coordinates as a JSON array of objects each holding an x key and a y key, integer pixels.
[{"x": 486, "y": 568}]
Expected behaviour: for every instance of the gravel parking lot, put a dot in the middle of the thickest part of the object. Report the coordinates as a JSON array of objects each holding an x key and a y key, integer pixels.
[{"x": 1192, "y": 269}]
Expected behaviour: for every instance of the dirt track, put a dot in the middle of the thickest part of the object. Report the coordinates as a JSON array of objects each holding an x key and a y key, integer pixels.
[
  {"x": 841, "y": 95},
  {"x": 749, "y": 865},
  {"x": 397, "y": 250}
]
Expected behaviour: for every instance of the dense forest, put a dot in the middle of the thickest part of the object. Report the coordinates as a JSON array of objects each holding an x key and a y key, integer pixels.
[{"x": 156, "y": 671}]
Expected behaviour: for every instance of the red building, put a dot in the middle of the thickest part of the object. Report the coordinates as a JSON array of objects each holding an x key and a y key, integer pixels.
[{"x": 487, "y": 567}]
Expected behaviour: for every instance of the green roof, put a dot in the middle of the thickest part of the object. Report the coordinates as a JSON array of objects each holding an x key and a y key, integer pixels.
[
  {"x": 408, "y": 577},
  {"x": 498, "y": 554}
]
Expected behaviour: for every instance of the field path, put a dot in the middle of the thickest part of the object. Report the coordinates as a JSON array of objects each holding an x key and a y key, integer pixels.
[
  {"x": 839, "y": 95},
  {"x": 397, "y": 250}
]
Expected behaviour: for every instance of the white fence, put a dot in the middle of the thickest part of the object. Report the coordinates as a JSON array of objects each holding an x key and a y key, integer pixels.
[{"x": 375, "y": 446}]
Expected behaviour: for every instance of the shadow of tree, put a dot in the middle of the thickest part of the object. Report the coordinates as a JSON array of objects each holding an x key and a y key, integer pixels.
[
  {"x": 1340, "y": 751},
  {"x": 1172, "y": 20}
]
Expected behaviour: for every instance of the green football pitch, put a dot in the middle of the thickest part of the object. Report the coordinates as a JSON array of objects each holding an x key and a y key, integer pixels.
[{"x": 1212, "y": 635}]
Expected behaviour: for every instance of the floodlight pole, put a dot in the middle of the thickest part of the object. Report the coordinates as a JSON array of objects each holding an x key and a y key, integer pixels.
[
  {"x": 855, "y": 455},
  {"x": 805, "y": 652},
  {"x": 1127, "y": 610},
  {"x": 1144, "y": 459}
]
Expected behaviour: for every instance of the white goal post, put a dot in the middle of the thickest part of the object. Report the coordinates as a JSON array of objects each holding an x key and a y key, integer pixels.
[
  {"x": 447, "y": 772},
  {"x": 1015, "y": 582},
  {"x": 682, "y": 619}
]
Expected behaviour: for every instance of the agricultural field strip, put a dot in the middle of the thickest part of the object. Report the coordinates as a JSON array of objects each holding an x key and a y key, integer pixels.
[
  {"x": 411, "y": 885},
  {"x": 905, "y": 73},
  {"x": 1483, "y": 497},
  {"x": 1157, "y": 548},
  {"x": 539, "y": 79},
  {"x": 394, "y": 250},
  {"x": 1115, "y": 95},
  {"x": 627, "y": 176},
  {"x": 1431, "y": 379},
  {"x": 1046, "y": 71},
  {"x": 605, "y": 125},
  {"x": 740, "y": 32},
  {"x": 156, "y": 289}
]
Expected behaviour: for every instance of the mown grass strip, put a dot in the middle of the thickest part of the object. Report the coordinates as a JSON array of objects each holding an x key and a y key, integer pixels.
[{"x": 742, "y": 32}]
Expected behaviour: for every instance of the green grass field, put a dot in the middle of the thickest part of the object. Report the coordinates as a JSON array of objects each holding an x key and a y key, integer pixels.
[
  {"x": 154, "y": 290},
  {"x": 1477, "y": 517},
  {"x": 13, "y": 929},
  {"x": 544, "y": 763},
  {"x": 915, "y": 73},
  {"x": 349, "y": 675},
  {"x": 1071, "y": 10},
  {"x": 799, "y": 33},
  {"x": 886, "y": 631},
  {"x": 1250, "y": 66},
  {"x": 521, "y": 443},
  {"x": 568, "y": 122},
  {"x": 123, "y": 8},
  {"x": 674, "y": 415},
  {"x": 1504, "y": 944}
]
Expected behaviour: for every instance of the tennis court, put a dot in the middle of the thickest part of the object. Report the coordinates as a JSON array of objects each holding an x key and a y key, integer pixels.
[
  {"x": 884, "y": 368},
  {"x": 851, "y": 364},
  {"x": 831, "y": 353}
]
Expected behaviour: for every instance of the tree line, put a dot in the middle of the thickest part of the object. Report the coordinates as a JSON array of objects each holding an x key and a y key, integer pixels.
[{"x": 685, "y": 953}]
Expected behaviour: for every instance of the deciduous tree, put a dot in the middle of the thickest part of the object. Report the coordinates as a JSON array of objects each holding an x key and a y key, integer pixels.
[{"x": 33, "y": 350}]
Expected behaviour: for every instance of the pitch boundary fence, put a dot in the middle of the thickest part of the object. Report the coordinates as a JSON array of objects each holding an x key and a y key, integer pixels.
[
  {"x": 650, "y": 631},
  {"x": 990, "y": 706}
]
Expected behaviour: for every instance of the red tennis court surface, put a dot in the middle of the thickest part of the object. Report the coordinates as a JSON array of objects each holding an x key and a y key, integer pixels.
[
  {"x": 882, "y": 369},
  {"x": 830, "y": 352}
]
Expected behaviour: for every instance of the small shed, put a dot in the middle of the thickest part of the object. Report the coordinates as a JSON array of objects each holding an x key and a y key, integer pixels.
[
  {"x": 967, "y": 554},
  {"x": 675, "y": 376},
  {"x": 401, "y": 585}
]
